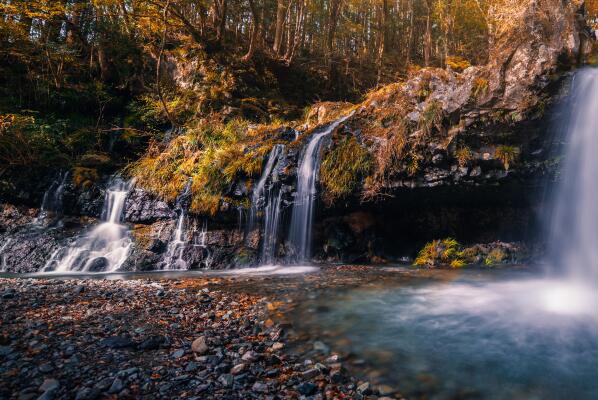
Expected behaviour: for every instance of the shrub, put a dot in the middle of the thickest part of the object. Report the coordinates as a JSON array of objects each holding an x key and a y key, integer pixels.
[
  {"x": 480, "y": 87},
  {"x": 445, "y": 252},
  {"x": 463, "y": 156},
  {"x": 457, "y": 63},
  {"x": 507, "y": 155},
  {"x": 496, "y": 256},
  {"x": 343, "y": 168},
  {"x": 85, "y": 177},
  {"x": 431, "y": 117}
]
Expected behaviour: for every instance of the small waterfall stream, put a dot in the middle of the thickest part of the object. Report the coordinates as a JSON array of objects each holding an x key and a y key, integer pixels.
[
  {"x": 173, "y": 258},
  {"x": 53, "y": 198},
  {"x": 267, "y": 196},
  {"x": 106, "y": 247},
  {"x": 574, "y": 228},
  {"x": 303, "y": 209}
]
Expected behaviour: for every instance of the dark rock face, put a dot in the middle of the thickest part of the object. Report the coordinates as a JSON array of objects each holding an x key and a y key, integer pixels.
[{"x": 143, "y": 208}]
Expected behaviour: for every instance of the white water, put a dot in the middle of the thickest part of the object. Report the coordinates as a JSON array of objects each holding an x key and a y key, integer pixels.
[
  {"x": 52, "y": 201},
  {"x": 173, "y": 259},
  {"x": 300, "y": 236},
  {"x": 106, "y": 247},
  {"x": 3, "y": 256},
  {"x": 272, "y": 196},
  {"x": 574, "y": 228}
]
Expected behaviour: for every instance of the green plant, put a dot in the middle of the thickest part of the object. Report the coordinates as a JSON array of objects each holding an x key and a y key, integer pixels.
[
  {"x": 457, "y": 63},
  {"x": 463, "y": 155},
  {"x": 441, "y": 252},
  {"x": 480, "y": 87},
  {"x": 495, "y": 256},
  {"x": 343, "y": 168},
  {"x": 507, "y": 155},
  {"x": 431, "y": 117}
]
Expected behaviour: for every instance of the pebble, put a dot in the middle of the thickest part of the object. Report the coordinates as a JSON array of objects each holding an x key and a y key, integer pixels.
[
  {"x": 49, "y": 384},
  {"x": 307, "y": 388},
  {"x": 116, "y": 387},
  {"x": 237, "y": 369},
  {"x": 200, "y": 346}
]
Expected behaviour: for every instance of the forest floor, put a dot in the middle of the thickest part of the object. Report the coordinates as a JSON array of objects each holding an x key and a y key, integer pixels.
[{"x": 207, "y": 337}]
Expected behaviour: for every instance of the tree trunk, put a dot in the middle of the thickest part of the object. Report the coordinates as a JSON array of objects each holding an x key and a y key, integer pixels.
[
  {"x": 281, "y": 12},
  {"x": 255, "y": 31},
  {"x": 333, "y": 14},
  {"x": 428, "y": 36}
]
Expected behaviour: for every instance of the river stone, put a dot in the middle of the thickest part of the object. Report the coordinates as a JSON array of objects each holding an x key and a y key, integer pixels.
[
  {"x": 199, "y": 345},
  {"x": 99, "y": 264},
  {"x": 49, "y": 385},
  {"x": 116, "y": 342}
]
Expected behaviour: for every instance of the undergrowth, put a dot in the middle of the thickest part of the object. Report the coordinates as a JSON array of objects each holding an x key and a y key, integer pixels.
[{"x": 343, "y": 169}]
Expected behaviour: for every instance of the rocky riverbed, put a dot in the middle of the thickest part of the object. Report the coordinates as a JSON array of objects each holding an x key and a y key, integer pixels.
[{"x": 206, "y": 337}]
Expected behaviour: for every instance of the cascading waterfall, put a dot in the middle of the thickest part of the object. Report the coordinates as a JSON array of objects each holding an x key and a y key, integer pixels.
[
  {"x": 176, "y": 247},
  {"x": 106, "y": 247},
  {"x": 173, "y": 259},
  {"x": 574, "y": 228},
  {"x": 303, "y": 208},
  {"x": 3, "y": 256},
  {"x": 53, "y": 197},
  {"x": 268, "y": 191}
]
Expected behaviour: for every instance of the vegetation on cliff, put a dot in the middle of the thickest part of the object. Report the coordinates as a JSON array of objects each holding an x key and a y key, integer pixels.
[{"x": 94, "y": 86}]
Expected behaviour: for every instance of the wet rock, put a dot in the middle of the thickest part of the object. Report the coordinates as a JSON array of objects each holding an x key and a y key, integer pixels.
[
  {"x": 99, "y": 264},
  {"x": 116, "y": 387},
  {"x": 141, "y": 207}
]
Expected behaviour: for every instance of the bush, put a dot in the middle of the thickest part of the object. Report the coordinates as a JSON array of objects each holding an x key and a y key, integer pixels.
[
  {"x": 445, "y": 252},
  {"x": 343, "y": 169},
  {"x": 507, "y": 155},
  {"x": 457, "y": 63}
]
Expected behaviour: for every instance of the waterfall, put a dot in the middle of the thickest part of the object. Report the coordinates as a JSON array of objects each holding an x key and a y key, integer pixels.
[
  {"x": 259, "y": 191},
  {"x": 176, "y": 247},
  {"x": 3, "y": 256},
  {"x": 53, "y": 197},
  {"x": 268, "y": 196},
  {"x": 173, "y": 259},
  {"x": 303, "y": 207},
  {"x": 574, "y": 229},
  {"x": 106, "y": 247}
]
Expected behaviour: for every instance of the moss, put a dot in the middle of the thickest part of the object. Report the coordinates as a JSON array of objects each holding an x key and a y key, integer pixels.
[
  {"x": 507, "y": 155},
  {"x": 343, "y": 169},
  {"x": 210, "y": 154},
  {"x": 445, "y": 252},
  {"x": 457, "y": 63}
]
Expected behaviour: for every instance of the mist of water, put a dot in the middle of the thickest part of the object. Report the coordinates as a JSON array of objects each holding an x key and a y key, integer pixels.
[
  {"x": 106, "y": 247},
  {"x": 573, "y": 238}
]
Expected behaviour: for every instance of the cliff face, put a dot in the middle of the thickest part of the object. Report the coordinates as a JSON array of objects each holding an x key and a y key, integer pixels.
[{"x": 445, "y": 153}]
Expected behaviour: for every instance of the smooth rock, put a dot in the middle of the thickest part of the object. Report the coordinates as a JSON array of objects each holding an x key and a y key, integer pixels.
[{"x": 200, "y": 346}]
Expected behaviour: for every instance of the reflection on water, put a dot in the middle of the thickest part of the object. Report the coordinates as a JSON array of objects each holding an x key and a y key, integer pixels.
[{"x": 515, "y": 339}]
